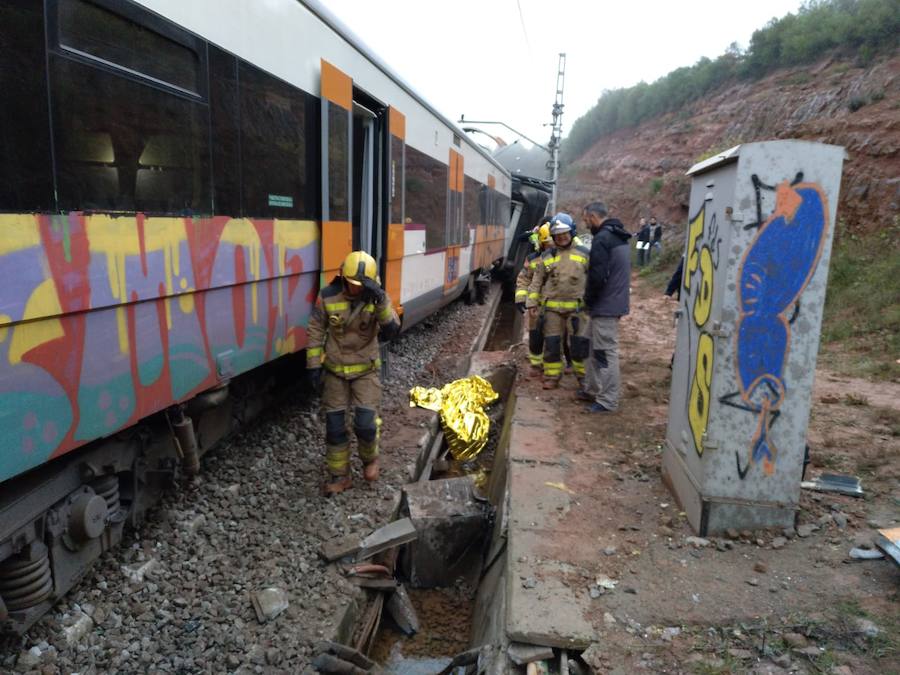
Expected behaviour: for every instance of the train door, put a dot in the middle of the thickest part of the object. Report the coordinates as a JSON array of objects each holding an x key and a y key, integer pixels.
[
  {"x": 337, "y": 139},
  {"x": 369, "y": 196}
]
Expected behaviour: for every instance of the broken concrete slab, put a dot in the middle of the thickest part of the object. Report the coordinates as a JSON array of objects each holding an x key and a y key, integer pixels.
[
  {"x": 401, "y": 610},
  {"x": 269, "y": 603},
  {"x": 551, "y": 614},
  {"x": 449, "y": 520},
  {"x": 520, "y": 653},
  {"x": 345, "y": 653},
  {"x": 340, "y": 547},
  {"x": 328, "y": 663},
  {"x": 393, "y": 534}
]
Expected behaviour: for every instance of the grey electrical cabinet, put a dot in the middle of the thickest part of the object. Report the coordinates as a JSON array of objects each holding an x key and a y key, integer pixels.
[{"x": 757, "y": 248}]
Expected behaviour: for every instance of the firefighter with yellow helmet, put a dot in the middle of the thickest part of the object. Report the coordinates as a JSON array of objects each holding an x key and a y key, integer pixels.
[
  {"x": 557, "y": 288},
  {"x": 523, "y": 281},
  {"x": 343, "y": 335}
]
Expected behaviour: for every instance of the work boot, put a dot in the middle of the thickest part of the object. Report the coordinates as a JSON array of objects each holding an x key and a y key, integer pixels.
[
  {"x": 336, "y": 485},
  {"x": 370, "y": 470},
  {"x": 536, "y": 372},
  {"x": 582, "y": 395},
  {"x": 551, "y": 383}
]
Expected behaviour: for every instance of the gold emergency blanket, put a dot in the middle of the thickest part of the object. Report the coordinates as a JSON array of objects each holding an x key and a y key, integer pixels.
[{"x": 461, "y": 405}]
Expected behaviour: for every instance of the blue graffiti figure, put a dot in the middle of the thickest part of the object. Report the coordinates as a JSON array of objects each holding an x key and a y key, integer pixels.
[{"x": 775, "y": 270}]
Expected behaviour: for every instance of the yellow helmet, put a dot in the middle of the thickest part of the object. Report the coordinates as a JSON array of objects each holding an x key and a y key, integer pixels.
[
  {"x": 544, "y": 233},
  {"x": 357, "y": 266}
]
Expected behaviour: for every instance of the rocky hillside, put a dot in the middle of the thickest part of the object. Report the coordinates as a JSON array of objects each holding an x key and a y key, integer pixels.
[{"x": 640, "y": 170}]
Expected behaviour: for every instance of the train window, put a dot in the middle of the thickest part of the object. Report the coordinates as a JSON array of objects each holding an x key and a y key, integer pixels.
[
  {"x": 26, "y": 173},
  {"x": 126, "y": 146},
  {"x": 225, "y": 121},
  {"x": 338, "y": 161},
  {"x": 485, "y": 205},
  {"x": 398, "y": 173},
  {"x": 274, "y": 147},
  {"x": 90, "y": 30},
  {"x": 426, "y": 196},
  {"x": 505, "y": 212},
  {"x": 472, "y": 213}
]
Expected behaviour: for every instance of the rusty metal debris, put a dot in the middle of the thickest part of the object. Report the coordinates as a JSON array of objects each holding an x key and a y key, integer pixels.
[
  {"x": 833, "y": 482},
  {"x": 341, "y": 660},
  {"x": 401, "y": 609},
  {"x": 888, "y": 540},
  {"x": 461, "y": 406}
]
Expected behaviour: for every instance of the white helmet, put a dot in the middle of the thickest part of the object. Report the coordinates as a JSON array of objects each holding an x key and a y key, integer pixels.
[{"x": 562, "y": 223}]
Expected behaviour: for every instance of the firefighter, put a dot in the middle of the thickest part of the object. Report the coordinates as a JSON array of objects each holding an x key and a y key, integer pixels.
[
  {"x": 343, "y": 337},
  {"x": 558, "y": 288},
  {"x": 523, "y": 281}
]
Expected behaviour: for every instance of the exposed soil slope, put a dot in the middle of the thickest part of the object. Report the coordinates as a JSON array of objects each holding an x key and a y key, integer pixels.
[{"x": 639, "y": 171}]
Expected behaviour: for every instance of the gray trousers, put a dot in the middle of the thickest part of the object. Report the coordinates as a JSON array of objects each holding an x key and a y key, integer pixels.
[{"x": 602, "y": 372}]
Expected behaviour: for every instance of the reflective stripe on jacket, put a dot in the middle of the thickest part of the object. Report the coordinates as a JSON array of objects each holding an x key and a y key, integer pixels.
[
  {"x": 525, "y": 275},
  {"x": 343, "y": 331},
  {"x": 559, "y": 278}
]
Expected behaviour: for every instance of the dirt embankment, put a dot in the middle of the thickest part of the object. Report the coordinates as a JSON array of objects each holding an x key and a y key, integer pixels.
[{"x": 639, "y": 171}]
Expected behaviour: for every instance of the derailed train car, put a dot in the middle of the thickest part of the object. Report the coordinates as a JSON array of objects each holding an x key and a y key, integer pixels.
[{"x": 176, "y": 181}]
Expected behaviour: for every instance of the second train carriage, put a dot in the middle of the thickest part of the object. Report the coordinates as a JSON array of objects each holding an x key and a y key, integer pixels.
[{"x": 176, "y": 180}]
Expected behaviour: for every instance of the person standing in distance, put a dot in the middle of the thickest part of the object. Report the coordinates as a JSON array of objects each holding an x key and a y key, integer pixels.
[
  {"x": 643, "y": 244},
  {"x": 343, "y": 330},
  {"x": 606, "y": 296}
]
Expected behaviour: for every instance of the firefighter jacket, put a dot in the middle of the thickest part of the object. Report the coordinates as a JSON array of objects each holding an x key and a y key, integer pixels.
[
  {"x": 343, "y": 331},
  {"x": 558, "y": 281},
  {"x": 526, "y": 274}
]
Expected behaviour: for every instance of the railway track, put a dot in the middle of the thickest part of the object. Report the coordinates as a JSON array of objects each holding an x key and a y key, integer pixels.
[{"x": 176, "y": 595}]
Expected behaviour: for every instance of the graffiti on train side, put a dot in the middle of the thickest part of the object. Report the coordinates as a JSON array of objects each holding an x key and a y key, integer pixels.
[
  {"x": 775, "y": 270},
  {"x": 104, "y": 320}
]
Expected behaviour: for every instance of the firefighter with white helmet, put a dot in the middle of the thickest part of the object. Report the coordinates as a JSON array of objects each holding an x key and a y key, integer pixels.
[
  {"x": 558, "y": 288},
  {"x": 343, "y": 335},
  {"x": 523, "y": 281}
]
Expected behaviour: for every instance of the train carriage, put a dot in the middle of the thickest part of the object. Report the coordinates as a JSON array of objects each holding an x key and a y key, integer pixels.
[{"x": 174, "y": 188}]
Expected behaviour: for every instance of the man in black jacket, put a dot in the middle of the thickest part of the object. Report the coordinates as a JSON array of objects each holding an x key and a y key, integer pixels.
[
  {"x": 606, "y": 296},
  {"x": 643, "y": 244}
]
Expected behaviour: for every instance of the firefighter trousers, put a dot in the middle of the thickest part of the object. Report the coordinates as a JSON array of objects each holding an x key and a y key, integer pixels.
[
  {"x": 556, "y": 324},
  {"x": 536, "y": 339},
  {"x": 362, "y": 396}
]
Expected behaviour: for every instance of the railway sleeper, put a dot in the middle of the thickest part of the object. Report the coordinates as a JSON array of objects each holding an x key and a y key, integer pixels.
[{"x": 56, "y": 520}]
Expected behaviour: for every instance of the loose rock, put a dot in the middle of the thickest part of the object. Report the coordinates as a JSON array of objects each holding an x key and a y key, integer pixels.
[{"x": 804, "y": 531}]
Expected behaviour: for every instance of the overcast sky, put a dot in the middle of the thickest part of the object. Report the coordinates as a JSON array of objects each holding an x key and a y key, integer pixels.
[{"x": 497, "y": 59}]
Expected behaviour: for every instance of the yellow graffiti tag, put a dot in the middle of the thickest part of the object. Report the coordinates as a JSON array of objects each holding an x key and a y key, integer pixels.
[
  {"x": 43, "y": 301},
  {"x": 122, "y": 327},
  {"x": 291, "y": 235},
  {"x": 695, "y": 231},
  {"x": 20, "y": 232},
  {"x": 698, "y": 403},
  {"x": 703, "y": 302}
]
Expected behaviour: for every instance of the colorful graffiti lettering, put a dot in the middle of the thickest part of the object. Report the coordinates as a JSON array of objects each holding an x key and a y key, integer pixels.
[
  {"x": 776, "y": 268},
  {"x": 107, "y": 319},
  {"x": 702, "y": 257}
]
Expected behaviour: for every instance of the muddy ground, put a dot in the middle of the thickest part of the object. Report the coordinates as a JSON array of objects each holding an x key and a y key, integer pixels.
[{"x": 762, "y": 602}]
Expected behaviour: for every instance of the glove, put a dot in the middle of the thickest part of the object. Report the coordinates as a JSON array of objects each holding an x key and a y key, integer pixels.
[
  {"x": 315, "y": 379},
  {"x": 521, "y": 307},
  {"x": 373, "y": 291}
]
